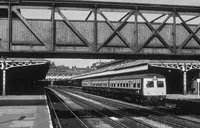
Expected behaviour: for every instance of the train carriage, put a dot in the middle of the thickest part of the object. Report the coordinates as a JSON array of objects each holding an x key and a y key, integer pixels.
[
  {"x": 95, "y": 85},
  {"x": 145, "y": 88}
]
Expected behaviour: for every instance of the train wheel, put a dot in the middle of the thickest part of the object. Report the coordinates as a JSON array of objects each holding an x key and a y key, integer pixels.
[
  {"x": 127, "y": 98},
  {"x": 145, "y": 101}
]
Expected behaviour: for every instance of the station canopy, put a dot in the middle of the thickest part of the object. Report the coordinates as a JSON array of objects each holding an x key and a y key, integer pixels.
[
  {"x": 6, "y": 63},
  {"x": 127, "y": 66}
]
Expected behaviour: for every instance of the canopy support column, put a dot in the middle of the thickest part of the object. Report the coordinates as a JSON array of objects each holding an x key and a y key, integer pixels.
[
  {"x": 184, "y": 83},
  {"x": 4, "y": 78},
  {"x": 4, "y": 83}
]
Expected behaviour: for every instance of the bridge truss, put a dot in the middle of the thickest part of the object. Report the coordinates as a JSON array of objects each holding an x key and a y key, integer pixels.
[{"x": 143, "y": 30}]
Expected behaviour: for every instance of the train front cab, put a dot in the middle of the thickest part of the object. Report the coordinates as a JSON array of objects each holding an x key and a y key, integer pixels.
[{"x": 154, "y": 89}]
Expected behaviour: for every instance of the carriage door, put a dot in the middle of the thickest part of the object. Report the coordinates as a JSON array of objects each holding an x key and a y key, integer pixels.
[{"x": 150, "y": 86}]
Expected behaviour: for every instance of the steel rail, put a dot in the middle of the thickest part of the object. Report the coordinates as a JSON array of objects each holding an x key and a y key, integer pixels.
[
  {"x": 141, "y": 123},
  {"x": 159, "y": 120},
  {"x": 164, "y": 114},
  {"x": 170, "y": 122},
  {"x": 120, "y": 124},
  {"x": 155, "y": 118},
  {"x": 76, "y": 117},
  {"x": 54, "y": 111},
  {"x": 157, "y": 112},
  {"x": 197, "y": 123}
]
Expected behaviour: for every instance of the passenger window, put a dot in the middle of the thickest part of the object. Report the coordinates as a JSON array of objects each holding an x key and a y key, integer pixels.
[
  {"x": 124, "y": 84},
  {"x": 160, "y": 84},
  {"x": 134, "y": 85},
  {"x": 150, "y": 84},
  {"x": 127, "y": 85},
  {"x": 138, "y": 85}
]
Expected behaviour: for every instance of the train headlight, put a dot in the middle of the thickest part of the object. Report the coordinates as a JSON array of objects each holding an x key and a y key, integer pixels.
[{"x": 155, "y": 79}]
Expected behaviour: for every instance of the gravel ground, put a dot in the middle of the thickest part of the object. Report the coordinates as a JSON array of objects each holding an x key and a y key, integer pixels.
[
  {"x": 151, "y": 122},
  {"x": 98, "y": 123}
]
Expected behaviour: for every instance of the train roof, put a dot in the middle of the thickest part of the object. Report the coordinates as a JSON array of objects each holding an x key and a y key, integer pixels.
[
  {"x": 148, "y": 75},
  {"x": 98, "y": 79}
]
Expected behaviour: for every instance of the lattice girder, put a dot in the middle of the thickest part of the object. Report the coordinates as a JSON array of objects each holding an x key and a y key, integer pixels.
[
  {"x": 180, "y": 66},
  {"x": 136, "y": 34},
  {"x": 11, "y": 64}
]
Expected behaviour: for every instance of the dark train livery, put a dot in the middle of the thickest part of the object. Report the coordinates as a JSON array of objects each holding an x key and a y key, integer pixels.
[{"x": 143, "y": 88}]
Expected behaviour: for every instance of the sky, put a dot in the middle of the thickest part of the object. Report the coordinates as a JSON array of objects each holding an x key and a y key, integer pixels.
[
  {"x": 45, "y": 14},
  {"x": 168, "y": 2}
]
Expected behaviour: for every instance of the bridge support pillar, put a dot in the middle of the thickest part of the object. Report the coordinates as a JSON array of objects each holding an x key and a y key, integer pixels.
[{"x": 184, "y": 83}]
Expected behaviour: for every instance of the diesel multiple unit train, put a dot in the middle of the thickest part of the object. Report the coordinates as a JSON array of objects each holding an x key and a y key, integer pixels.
[{"x": 143, "y": 88}]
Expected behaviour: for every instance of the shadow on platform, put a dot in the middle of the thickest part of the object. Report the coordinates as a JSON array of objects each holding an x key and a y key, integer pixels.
[{"x": 23, "y": 100}]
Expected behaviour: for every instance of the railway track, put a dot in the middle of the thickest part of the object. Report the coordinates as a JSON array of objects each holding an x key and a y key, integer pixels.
[
  {"x": 128, "y": 121},
  {"x": 183, "y": 115},
  {"x": 97, "y": 115},
  {"x": 62, "y": 113},
  {"x": 151, "y": 114},
  {"x": 191, "y": 118}
]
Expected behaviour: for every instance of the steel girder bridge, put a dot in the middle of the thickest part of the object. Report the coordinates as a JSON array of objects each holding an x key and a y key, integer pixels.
[{"x": 142, "y": 31}]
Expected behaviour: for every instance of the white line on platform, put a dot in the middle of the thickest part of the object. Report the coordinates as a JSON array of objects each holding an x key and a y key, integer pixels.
[{"x": 50, "y": 120}]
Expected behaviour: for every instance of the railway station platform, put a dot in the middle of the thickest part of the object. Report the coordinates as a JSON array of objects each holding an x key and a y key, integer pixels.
[
  {"x": 189, "y": 98},
  {"x": 27, "y": 111},
  {"x": 183, "y": 97},
  {"x": 187, "y": 103}
]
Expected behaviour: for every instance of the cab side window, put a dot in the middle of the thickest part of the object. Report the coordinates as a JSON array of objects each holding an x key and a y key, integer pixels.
[
  {"x": 160, "y": 84},
  {"x": 134, "y": 84}
]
